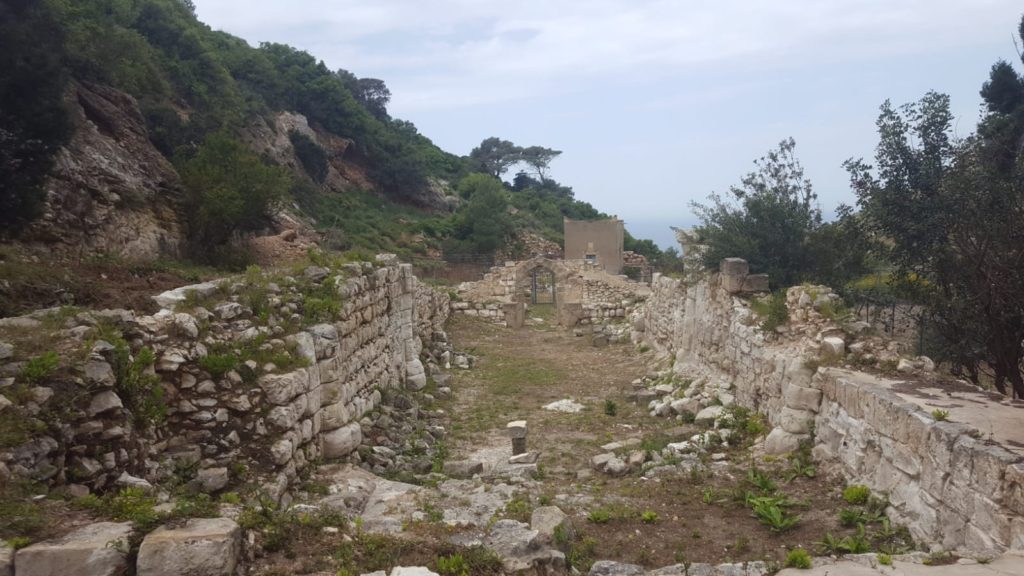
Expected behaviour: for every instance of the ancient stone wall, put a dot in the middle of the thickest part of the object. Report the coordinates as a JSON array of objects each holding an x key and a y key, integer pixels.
[
  {"x": 953, "y": 487},
  {"x": 601, "y": 296},
  {"x": 297, "y": 393}
]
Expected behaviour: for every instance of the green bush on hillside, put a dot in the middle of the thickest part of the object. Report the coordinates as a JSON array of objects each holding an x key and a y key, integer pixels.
[{"x": 227, "y": 190}]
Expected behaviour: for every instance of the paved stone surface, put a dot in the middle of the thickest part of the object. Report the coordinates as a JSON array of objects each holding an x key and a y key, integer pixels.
[{"x": 384, "y": 505}]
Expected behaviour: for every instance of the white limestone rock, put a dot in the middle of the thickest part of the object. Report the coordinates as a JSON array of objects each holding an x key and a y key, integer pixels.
[
  {"x": 202, "y": 547},
  {"x": 104, "y": 402},
  {"x": 709, "y": 415},
  {"x": 342, "y": 441},
  {"x": 99, "y": 549},
  {"x": 833, "y": 346}
]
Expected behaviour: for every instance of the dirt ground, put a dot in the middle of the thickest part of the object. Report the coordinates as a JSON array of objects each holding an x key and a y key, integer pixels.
[{"x": 668, "y": 519}]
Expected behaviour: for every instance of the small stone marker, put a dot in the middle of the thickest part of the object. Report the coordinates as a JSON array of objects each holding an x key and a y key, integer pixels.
[{"x": 517, "y": 431}]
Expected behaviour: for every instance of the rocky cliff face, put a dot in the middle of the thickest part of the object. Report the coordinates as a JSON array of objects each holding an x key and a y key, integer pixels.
[
  {"x": 110, "y": 191},
  {"x": 272, "y": 141}
]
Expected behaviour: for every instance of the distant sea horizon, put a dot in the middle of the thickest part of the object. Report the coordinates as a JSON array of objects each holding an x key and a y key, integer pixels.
[{"x": 659, "y": 230}]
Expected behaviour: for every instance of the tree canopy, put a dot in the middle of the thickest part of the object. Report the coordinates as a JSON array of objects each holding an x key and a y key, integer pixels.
[{"x": 768, "y": 220}]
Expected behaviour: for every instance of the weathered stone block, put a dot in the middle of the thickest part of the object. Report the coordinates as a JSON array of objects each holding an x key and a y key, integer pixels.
[
  {"x": 795, "y": 421},
  {"x": 833, "y": 346},
  {"x": 280, "y": 389},
  {"x": 342, "y": 441},
  {"x": 755, "y": 283},
  {"x": 780, "y": 442},
  {"x": 516, "y": 429},
  {"x": 104, "y": 402},
  {"x": 96, "y": 549},
  {"x": 202, "y": 547},
  {"x": 800, "y": 398}
]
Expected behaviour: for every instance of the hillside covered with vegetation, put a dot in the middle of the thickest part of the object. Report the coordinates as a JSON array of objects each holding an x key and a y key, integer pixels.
[{"x": 200, "y": 91}]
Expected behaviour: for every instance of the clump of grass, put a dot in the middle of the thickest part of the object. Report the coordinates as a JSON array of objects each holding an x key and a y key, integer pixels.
[
  {"x": 581, "y": 554},
  {"x": 648, "y": 516},
  {"x": 22, "y": 518},
  {"x": 230, "y": 498},
  {"x": 610, "y": 407},
  {"x": 225, "y": 357},
  {"x": 134, "y": 505},
  {"x": 38, "y": 368},
  {"x": 196, "y": 506},
  {"x": 798, "y": 558},
  {"x": 772, "y": 310},
  {"x": 218, "y": 364},
  {"x": 940, "y": 415},
  {"x": 856, "y": 494},
  {"x": 518, "y": 508},
  {"x": 599, "y": 516},
  {"x": 454, "y": 565}
]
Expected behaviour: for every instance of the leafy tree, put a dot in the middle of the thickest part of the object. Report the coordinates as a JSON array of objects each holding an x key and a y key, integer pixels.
[
  {"x": 228, "y": 190},
  {"x": 476, "y": 183},
  {"x": 770, "y": 222},
  {"x": 371, "y": 93},
  {"x": 495, "y": 156},
  {"x": 484, "y": 225},
  {"x": 538, "y": 158},
  {"x": 374, "y": 95},
  {"x": 33, "y": 121},
  {"x": 310, "y": 154},
  {"x": 951, "y": 212}
]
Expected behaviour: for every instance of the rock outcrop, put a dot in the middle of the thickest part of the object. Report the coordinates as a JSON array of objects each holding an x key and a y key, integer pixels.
[{"x": 110, "y": 190}]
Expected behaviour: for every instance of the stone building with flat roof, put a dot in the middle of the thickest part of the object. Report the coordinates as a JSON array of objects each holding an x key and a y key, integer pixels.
[{"x": 597, "y": 242}]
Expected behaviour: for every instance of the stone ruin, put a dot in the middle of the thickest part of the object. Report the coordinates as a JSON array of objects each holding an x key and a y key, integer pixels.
[
  {"x": 957, "y": 483},
  {"x": 327, "y": 401},
  {"x": 583, "y": 294},
  {"x": 862, "y": 403}
]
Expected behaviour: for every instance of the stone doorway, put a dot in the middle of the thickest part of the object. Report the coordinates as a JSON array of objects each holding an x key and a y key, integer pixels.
[{"x": 542, "y": 286}]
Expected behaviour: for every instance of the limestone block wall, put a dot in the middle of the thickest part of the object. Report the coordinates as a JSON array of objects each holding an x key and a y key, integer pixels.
[
  {"x": 603, "y": 297},
  {"x": 271, "y": 420},
  {"x": 953, "y": 490},
  {"x": 949, "y": 485}
]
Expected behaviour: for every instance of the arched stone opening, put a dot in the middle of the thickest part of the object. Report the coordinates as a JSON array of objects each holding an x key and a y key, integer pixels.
[{"x": 542, "y": 281}]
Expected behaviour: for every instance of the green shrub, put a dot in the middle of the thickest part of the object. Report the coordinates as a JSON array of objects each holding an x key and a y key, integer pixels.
[
  {"x": 130, "y": 504},
  {"x": 196, "y": 506},
  {"x": 856, "y": 494},
  {"x": 310, "y": 154},
  {"x": 648, "y": 516},
  {"x": 38, "y": 368},
  {"x": 454, "y": 565},
  {"x": 230, "y": 498},
  {"x": 610, "y": 407},
  {"x": 771, "y": 512},
  {"x": 798, "y": 558},
  {"x": 772, "y": 310},
  {"x": 140, "y": 391},
  {"x": 218, "y": 364},
  {"x": 228, "y": 189},
  {"x": 599, "y": 516},
  {"x": 884, "y": 559},
  {"x": 940, "y": 415}
]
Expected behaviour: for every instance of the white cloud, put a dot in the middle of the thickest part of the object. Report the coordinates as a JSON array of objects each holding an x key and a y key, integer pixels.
[{"x": 452, "y": 53}]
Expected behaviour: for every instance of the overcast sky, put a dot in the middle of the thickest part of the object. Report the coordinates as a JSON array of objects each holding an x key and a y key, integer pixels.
[{"x": 654, "y": 103}]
